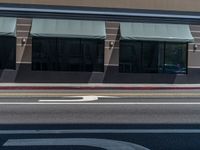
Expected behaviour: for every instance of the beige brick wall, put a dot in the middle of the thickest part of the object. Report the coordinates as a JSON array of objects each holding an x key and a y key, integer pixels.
[
  {"x": 194, "y": 55},
  {"x": 113, "y": 35},
  {"x": 24, "y": 50}
]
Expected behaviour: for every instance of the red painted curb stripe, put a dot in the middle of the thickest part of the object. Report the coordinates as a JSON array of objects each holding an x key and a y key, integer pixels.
[{"x": 93, "y": 88}]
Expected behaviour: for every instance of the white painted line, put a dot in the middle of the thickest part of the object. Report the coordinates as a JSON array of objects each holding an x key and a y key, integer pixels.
[
  {"x": 103, "y": 131},
  {"x": 81, "y": 99},
  {"x": 106, "y": 103},
  {"x": 100, "y": 143},
  {"x": 63, "y": 100}
]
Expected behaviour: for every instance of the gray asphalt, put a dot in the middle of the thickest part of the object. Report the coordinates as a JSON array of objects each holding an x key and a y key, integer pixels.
[
  {"x": 100, "y": 91},
  {"x": 27, "y": 118},
  {"x": 105, "y": 110}
]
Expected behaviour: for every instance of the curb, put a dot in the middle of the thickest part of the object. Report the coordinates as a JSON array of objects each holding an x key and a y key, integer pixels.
[{"x": 94, "y": 88}]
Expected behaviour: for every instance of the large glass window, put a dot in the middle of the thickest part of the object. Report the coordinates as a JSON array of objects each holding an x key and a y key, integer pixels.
[
  {"x": 64, "y": 54},
  {"x": 74, "y": 55},
  {"x": 152, "y": 57},
  {"x": 7, "y": 52},
  {"x": 175, "y": 58},
  {"x": 93, "y": 55},
  {"x": 130, "y": 57},
  {"x": 43, "y": 57}
]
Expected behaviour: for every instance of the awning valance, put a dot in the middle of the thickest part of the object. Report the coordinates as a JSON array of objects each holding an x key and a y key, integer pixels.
[
  {"x": 68, "y": 28},
  {"x": 156, "y": 32},
  {"x": 8, "y": 26}
]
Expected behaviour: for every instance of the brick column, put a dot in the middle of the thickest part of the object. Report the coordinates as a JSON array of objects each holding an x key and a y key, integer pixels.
[
  {"x": 112, "y": 51},
  {"x": 24, "y": 50}
]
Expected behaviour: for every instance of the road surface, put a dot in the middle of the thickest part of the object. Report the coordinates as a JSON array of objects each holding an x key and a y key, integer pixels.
[{"x": 156, "y": 120}]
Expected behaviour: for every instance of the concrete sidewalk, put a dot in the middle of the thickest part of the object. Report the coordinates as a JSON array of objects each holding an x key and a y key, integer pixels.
[{"x": 95, "y": 86}]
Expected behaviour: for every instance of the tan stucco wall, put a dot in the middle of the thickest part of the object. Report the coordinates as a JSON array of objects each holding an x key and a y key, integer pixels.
[{"x": 180, "y": 5}]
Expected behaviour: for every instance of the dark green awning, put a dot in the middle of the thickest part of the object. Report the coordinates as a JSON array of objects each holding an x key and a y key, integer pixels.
[
  {"x": 68, "y": 28},
  {"x": 156, "y": 32},
  {"x": 8, "y": 26}
]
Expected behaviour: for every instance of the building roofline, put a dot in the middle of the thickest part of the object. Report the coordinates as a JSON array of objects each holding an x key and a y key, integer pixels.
[{"x": 44, "y": 11}]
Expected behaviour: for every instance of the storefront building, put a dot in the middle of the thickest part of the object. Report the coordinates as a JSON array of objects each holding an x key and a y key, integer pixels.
[{"x": 91, "y": 41}]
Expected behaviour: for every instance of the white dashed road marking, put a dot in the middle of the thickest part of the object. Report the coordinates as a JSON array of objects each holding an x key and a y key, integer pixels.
[{"x": 81, "y": 99}]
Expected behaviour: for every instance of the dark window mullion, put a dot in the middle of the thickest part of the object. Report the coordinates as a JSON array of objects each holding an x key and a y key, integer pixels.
[
  {"x": 186, "y": 58},
  {"x": 103, "y": 57},
  {"x": 98, "y": 51},
  {"x": 141, "y": 70},
  {"x": 82, "y": 56},
  {"x": 164, "y": 57},
  {"x": 95, "y": 63},
  {"x": 56, "y": 60}
]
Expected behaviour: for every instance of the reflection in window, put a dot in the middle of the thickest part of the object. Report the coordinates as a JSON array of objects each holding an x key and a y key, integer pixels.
[
  {"x": 130, "y": 57},
  {"x": 175, "y": 58},
  {"x": 43, "y": 57},
  {"x": 64, "y": 54},
  {"x": 152, "y": 57}
]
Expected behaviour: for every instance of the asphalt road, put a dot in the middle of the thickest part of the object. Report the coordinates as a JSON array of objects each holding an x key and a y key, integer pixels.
[
  {"x": 108, "y": 110},
  {"x": 157, "y": 120}
]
